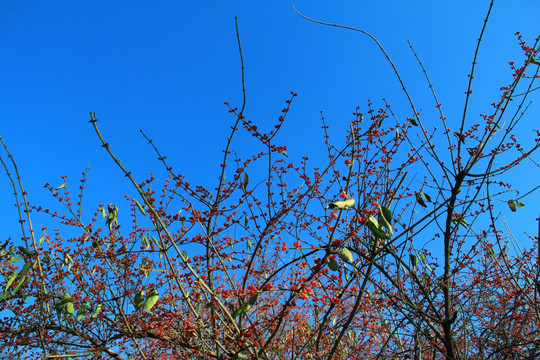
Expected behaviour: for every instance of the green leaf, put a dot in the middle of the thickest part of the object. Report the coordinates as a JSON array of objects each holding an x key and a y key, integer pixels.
[
  {"x": 459, "y": 220},
  {"x": 26, "y": 251},
  {"x": 341, "y": 204},
  {"x": 157, "y": 242},
  {"x": 69, "y": 307},
  {"x": 414, "y": 260},
  {"x": 139, "y": 300},
  {"x": 245, "y": 307},
  {"x": 10, "y": 280},
  {"x": 19, "y": 285},
  {"x": 141, "y": 209},
  {"x": 420, "y": 200},
  {"x": 346, "y": 255},
  {"x": 246, "y": 180},
  {"x": 373, "y": 225},
  {"x": 97, "y": 310},
  {"x": 59, "y": 306},
  {"x": 151, "y": 299},
  {"x": 426, "y": 196},
  {"x": 512, "y": 204},
  {"x": 387, "y": 213},
  {"x": 414, "y": 122},
  {"x": 14, "y": 260},
  {"x": 284, "y": 153},
  {"x": 25, "y": 268},
  {"x": 145, "y": 242},
  {"x": 184, "y": 255},
  {"x": 112, "y": 217},
  {"x": 333, "y": 264},
  {"x": 82, "y": 311},
  {"x": 385, "y": 216}
]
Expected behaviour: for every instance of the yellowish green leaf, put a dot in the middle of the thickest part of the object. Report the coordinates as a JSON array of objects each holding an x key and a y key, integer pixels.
[
  {"x": 341, "y": 204},
  {"x": 333, "y": 264},
  {"x": 151, "y": 299}
]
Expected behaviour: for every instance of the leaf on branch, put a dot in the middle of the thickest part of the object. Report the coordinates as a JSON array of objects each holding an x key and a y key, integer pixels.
[
  {"x": 10, "y": 280},
  {"x": 69, "y": 307},
  {"x": 145, "y": 242},
  {"x": 513, "y": 203},
  {"x": 59, "y": 187},
  {"x": 157, "y": 242},
  {"x": 22, "y": 274},
  {"x": 385, "y": 217},
  {"x": 25, "y": 268},
  {"x": 420, "y": 200},
  {"x": 245, "y": 307},
  {"x": 112, "y": 216},
  {"x": 26, "y": 251},
  {"x": 139, "y": 300},
  {"x": 246, "y": 180},
  {"x": 346, "y": 255},
  {"x": 333, "y": 264},
  {"x": 65, "y": 304},
  {"x": 68, "y": 261},
  {"x": 15, "y": 259},
  {"x": 141, "y": 209},
  {"x": 460, "y": 220},
  {"x": 414, "y": 260},
  {"x": 491, "y": 252},
  {"x": 345, "y": 204},
  {"x": 151, "y": 299},
  {"x": 82, "y": 311},
  {"x": 97, "y": 310},
  {"x": 373, "y": 225}
]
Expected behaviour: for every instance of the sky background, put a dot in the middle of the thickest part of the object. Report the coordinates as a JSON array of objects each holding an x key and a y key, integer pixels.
[{"x": 167, "y": 67}]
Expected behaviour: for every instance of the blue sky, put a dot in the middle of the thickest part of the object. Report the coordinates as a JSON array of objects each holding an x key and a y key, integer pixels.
[{"x": 167, "y": 67}]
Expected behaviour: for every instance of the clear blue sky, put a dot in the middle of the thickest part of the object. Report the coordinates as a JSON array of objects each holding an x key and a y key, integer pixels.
[{"x": 167, "y": 67}]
